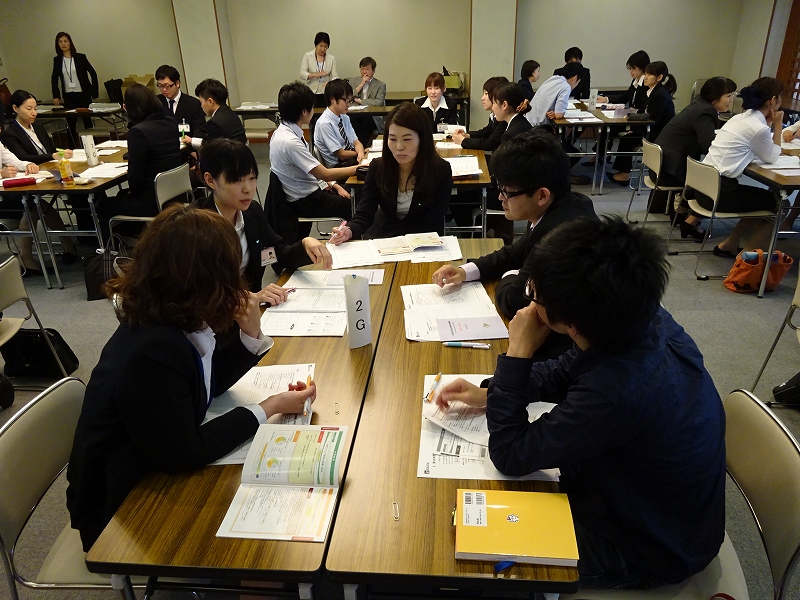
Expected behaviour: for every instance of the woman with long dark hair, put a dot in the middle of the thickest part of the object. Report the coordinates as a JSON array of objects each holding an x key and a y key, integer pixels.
[
  {"x": 407, "y": 190},
  {"x": 73, "y": 70}
]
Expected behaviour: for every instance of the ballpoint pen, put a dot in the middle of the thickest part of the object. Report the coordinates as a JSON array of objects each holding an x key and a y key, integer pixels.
[
  {"x": 429, "y": 395},
  {"x": 466, "y": 345},
  {"x": 333, "y": 235},
  {"x": 307, "y": 403}
]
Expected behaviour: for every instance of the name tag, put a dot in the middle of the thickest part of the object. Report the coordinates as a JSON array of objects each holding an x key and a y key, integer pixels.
[
  {"x": 441, "y": 127},
  {"x": 268, "y": 256},
  {"x": 71, "y": 85}
]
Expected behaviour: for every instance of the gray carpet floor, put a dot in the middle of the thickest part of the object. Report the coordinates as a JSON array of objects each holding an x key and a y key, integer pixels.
[{"x": 733, "y": 331}]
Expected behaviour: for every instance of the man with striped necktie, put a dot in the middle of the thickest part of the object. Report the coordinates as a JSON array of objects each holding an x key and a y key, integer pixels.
[{"x": 333, "y": 133}]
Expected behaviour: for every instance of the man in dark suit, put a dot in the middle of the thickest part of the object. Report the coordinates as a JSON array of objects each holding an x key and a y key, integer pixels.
[
  {"x": 185, "y": 109},
  {"x": 223, "y": 122},
  {"x": 581, "y": 90},
  {"x": 531, "y": 173}
]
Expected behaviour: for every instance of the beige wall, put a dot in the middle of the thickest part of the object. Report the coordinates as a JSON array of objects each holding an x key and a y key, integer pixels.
[
  {"x": 119, "y": 37},
  {"x": 200, "y": 43},
  {"x": 780, "y": 20},
  {"x": 696, "y": 38},
  {"x": 407, "y": 38}
]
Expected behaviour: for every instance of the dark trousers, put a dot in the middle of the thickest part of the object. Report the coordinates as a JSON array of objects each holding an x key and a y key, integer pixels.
[
  {"x": 364, "y": 126},
  {"x": 322, "y": 204},
  {"x": 126, "y": 203},
  {"x": 735, "y": 197},
  {"x": 77, "y": 100}
]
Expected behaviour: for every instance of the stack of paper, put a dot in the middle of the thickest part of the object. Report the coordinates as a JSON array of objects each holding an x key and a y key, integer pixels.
[
  {"x": 425, "y": 304},
  {"x": 104, "y": 106},
  {"x": 454, "y": 442},
  {"x": 257, "y": 106},
  {"x": 377, "y": 145},
  {"x": 105, "y": 171},
  {"x": 362, "y": 253},
  {"x": 321, "y": 279},
  {"x": 314, "y": 312},
  {"x": 464, "y": 166},
  {"x": 783, "y": 162},
  {"x": 78, "y": 155},
  {"x": 353, "y": 107},
  {"x": 112, "y": 144},
  {"x": 448, "y": 146}
]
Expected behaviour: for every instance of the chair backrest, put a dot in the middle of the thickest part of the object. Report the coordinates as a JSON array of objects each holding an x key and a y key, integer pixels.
[
  {"x": 11, "y": 287},
  {"x": 35, "y": 445},
  {"x": 696, "y": 87},
  {"x": 703, "y": 178},
  {"x": 651, "y": 156},
  {"x": 764, "y": 460},
  {"x": 736, "y": 106},
  {"x": 171, "y": 184}
]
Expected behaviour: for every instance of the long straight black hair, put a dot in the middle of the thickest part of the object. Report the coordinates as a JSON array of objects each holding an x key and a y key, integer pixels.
[{"x": 412, "y": 117}]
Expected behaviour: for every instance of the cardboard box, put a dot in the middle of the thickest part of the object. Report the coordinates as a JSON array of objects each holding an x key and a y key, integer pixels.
[{"x": 146, "y": 80}]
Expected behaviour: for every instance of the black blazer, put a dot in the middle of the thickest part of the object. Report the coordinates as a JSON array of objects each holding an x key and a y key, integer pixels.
[
  {"x": 188, "y": 109},
  {"x": 488, "y": 138},
  {"x": 689, "y": 133},
  {"x": 83, "y": 69},
  {"x": 519, "y": 124},
  {"x": 634, "y": 97},
  {"x": 449, "y": 115},
  {"x": 17, "y": 141},
  {"x": 153, "y": 147},
  {"x": 527, "y": 88},
  {"x": 260, "y": 235},
  {"x": 582, "y": 89},
  {"x": 376, "y": 215},
  {"x": 509, "y": 296},
  {"x": 143, "y": 410},
  {"x": 661, "y": 108},
  {"x": 224, "y": 124}
]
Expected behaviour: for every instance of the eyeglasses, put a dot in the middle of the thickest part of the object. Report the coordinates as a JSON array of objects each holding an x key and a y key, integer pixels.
[
  {"x": 508, "y": 194},
  {"x": 530, "y": 291},
  {"x": 166, "y": 86}
]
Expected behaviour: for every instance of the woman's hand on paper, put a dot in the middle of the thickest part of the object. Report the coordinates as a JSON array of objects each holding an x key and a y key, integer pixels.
[
  {"x": 462, "y": 391},
  {"x": 31, "y": 169},
  {"x": 448, "y": 274},
  {"x": 290, "y": 402},
  {"x": 340, "y": 234},
  {"x": 788, "y": 135},
  {"x": 273, "y": 295},
  {"x": 249, "y": 317},
  {"x": 57, "y": 101},
  {"x": 8, "y": 171},
  {"x": 318, "y": 252},
  {"x": 526, "y": 332}
]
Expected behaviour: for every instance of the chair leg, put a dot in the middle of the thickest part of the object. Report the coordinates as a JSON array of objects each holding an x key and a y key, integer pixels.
[
  {"x": 627, "y": 214},
  {"x": 38, "y": 201},
  {"x": 786, "y": 320},
  {"x": 46, "y": 338},
  {"x": 699, "y": 255}
]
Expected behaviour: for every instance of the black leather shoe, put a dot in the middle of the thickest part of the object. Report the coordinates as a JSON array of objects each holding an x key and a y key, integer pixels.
[
  {"x": 67, "y": 258},
  {"x": 610, "y": 177},
  {"x": 692, "y": 231},
  {"x": 724, "y": 253},
  {"x": 32, "y": 273}
]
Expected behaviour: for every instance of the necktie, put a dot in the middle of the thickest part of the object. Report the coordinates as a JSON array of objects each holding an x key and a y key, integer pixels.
[
  {"x": 172, "y": 106},
  {"x": 347, "y": 144}
]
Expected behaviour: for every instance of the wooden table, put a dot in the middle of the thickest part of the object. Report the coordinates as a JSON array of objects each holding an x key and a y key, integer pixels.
[
  {"x": 417, "y": 552},
  {"x": 112, "y": 117},
  {"x": 167, "y": 525}
]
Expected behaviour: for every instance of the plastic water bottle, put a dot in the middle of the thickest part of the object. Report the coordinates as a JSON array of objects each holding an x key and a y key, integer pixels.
[
  {"x": 751, "y": 257},
  {"x": 65, "y": 169}
]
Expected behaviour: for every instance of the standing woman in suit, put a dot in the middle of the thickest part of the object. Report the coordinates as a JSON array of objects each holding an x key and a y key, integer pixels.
[
  {"x": 407, "y": 190},
  {"x": 440, "y": 108},
  {"x": 73, "y": 70},
  {"x": 510, "y": 106},
  {"x": 153, "y": 148},
  {"x": 318, "y": 67},
  {"x": 488, "y": 138},
  {"x": 29, "y": 141},
  {"x": 661, "y": 86}
]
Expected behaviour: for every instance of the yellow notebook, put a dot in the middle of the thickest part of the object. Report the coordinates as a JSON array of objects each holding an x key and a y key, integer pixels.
[{"x": 526, "y": 527}]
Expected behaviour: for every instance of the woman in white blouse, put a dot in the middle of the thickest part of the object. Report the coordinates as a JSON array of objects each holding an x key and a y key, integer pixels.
[
  {"x": 318, "y": 66},
  {"x": 755, "y": 133}
]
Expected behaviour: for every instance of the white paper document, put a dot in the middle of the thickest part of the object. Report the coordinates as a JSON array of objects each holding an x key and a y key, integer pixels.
[
  {"x": 78, "y": 155},
  {"x": 321, "y": 279},
  {"x": 422, "y": 322},
  {"x": 783, "y": 162},
  {"x": 355, "y": 107},
  {"x": 463, "y": 329},
  {"x": 449, "y": 251},
  {"x": 286, "y": 324},
  {"x": 464, "y": 165},
  {"x": 257, "y": 106},
  {"x": 377, "y": 145},
  {"x": 105, "y": 171},
  {"x": 107, "y": 151},
  {"x": 429, "y": 294},
  {"x": 788, "y": 172},
  {"x": 355, "y": 253},
  {"x": 793, "y": 145},
  {"x": 113, "y": 144},
  {"x": 448, "y": 146},
  {"x": 313, "y": 300},
  {"x": 40, "y": 176}
]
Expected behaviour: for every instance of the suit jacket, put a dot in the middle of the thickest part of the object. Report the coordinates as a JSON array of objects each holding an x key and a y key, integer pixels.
[
  {"x": 17, "y": 141},
  {"x": 634, "y": 96},
  {"x": 224, "y": 124},
  {"x": 188, "y": 109},
  {"x": 376, "y": 96},
  {"x": 153, "y": 147},
  {"x": 520, "y": 255},
  {"x": 519, "y": 124},
  {"x": 527, "y": 88},
  {"x": 488, "y": 138},
  {"x": 83, "y": 69},
  {"x": 689, "y": 133},
  {"x": 449, "y": 116},
  {"x": 582, "y": 89},
  {"x": 260, "y": 235},
  {"x": 376, "y": 215},
  {"x": 143, "y": 410},
  {"x": 661, "y": 108}
]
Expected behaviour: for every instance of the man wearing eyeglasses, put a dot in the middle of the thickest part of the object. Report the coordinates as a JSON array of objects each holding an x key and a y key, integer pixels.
[
  {"x": 531, "y": 173},
  {"x": 183, "y": 108}
]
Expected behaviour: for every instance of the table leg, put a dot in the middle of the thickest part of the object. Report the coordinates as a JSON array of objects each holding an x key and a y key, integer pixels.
[
  {"x": 122, "y": 583},
  {"x": 483, "y": 211},
  {"x": 597, "y": 154},
  {"x": 37, "y": 200},
  {"x": 36, "y": 244},
  {"x": 96, "y": 220},
  {"x": 781, "y": 198},
  {"x": 304, "y": 590},
  {"x": 350, "y": 591}
]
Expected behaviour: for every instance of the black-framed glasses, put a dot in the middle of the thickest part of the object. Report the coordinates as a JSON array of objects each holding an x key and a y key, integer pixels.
[
  {"x": 530, "y": 292},
  {"x": 166, "y": 86},
  {"x": 508, "y": 194}
]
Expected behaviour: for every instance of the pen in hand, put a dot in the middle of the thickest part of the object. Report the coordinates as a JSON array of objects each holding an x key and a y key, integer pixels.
[
  {"x": 429, "y": 395},
  {"x": 336, "y": 233},
  {"x": 307, "y": 403}
]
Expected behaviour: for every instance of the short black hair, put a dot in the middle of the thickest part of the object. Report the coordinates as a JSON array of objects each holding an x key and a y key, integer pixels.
[
  {"x": 293, "y": 100},
  {"x": 322, "y": 37},
  {"x": 231, "y": 159},
  {"x": 167, "y": 72},
  {"x": 528, "y": 68},
  {"x": 571, "y": 53},
  {"x": 338, "y": 89},
  {"x": 639, "y": 59},
  {"x": 716, "y": 87},
  {"x": 533, "y": 160},
  {"x": 570, "y": 70},
  {"x": 367, "y": 60},
  {"x": 141, "y": 102},
  {"x": 212, "y": 88},
  {"x": 490, "y": 85},
  {"x": 603, "y": 277}
]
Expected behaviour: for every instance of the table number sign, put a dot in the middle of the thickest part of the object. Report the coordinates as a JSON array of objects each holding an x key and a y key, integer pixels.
[{"x": 359, "y": 325}]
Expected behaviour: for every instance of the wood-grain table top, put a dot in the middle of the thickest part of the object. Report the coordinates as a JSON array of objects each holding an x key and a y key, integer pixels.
[
  {"x": 772, "y": 179},
  {"x": 48, "y": 186}
]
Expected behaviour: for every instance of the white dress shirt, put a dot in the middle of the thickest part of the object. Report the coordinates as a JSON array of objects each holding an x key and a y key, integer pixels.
[
  {"x": 239, "y": 227},
  {"x": 71, "y": 83},
  {"x": 744, "y": 137},
  {"x": 442, "y": 105},
  {"x": 9, "y": 158},
  {"x": 292, "y": 161}
]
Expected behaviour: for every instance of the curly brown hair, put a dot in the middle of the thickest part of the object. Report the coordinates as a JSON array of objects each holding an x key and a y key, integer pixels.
[{"x": 185, "y": 272}]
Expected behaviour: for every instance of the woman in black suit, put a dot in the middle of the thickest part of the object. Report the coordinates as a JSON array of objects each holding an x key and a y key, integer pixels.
[
  {"x": 510, "y": 106},
  {"x": 147, "y": 397},
  {"x": 407, "y": 190},
  {"x": 73, "y": 71},
  {"x": 440, "y": 109},
  {"x": 231, "y": 173},
  {"x": 29, "y": 141},
  {"x": 529, "y": 74},
  {"x": 153, "y": 147},
  {"x": 661, "y": 86},
  {"x": 488, "y": 138}
]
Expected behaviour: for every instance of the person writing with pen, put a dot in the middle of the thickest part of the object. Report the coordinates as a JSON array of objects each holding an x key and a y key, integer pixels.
[
  {"x": 407, "y": 189},
  {"x": 638, "y": 428}
]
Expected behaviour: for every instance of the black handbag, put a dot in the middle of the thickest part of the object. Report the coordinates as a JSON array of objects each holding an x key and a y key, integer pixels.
[
  {"x": 103, "y": 265},
  {"x": 28, "y": 355},
  {"x": 637, "y": 117},
  {"x": 6, "y": 392}
]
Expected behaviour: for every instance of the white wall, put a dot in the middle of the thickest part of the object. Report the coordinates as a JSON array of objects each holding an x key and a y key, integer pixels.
[
  {"x": 777, "y": 32},
  {"x": 407, "y": 38},
  {"x": 119, "y": 37},
  {"x": 751, "y": 41},
  {"x": 199, "y": 39},
  {"x": 696, "y": 38}
]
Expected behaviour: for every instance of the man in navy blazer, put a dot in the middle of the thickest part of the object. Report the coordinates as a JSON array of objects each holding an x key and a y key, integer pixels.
[
  {"x": 223, "y": 122},
  {"x": 185, "y": 109}
]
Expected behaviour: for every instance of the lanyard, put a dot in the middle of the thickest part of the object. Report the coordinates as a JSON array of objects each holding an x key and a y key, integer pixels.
[
  {"x": 320, "y": 64},
  {"x": 70, "y": 62}
]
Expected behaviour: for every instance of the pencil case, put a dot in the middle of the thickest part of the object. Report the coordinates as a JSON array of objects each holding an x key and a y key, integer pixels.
[
  {"x": 19, "y": 181},
  {"x": 638, "y": 117}
]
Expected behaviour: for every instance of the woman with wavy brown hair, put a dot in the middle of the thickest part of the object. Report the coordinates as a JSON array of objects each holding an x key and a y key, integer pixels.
[{"x": 147, "y": 398}]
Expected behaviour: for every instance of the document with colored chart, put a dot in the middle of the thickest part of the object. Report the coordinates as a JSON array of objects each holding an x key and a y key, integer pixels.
[{"x": 290, "y": 483}]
